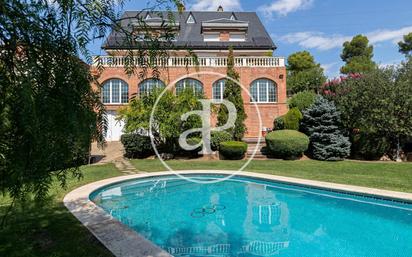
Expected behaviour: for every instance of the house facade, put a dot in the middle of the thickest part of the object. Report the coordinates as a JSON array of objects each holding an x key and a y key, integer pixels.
[{"x": 208, "y": 35}]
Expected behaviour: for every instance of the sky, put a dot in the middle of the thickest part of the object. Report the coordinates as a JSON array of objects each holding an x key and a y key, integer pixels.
[{"x": 318, "y": 26}]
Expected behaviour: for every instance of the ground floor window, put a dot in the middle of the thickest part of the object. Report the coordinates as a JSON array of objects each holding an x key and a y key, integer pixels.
[
  {"x": 115, "y": 91},
  {"x": 218, "y": 90},
  {"x": 147, "y": 86},
  {"x": 193, "y": 84},
  {"x": 263, "y": 91}
]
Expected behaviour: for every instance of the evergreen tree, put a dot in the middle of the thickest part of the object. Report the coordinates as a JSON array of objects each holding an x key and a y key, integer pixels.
[
  {"x": 321, "y": 122},
  {"x": 233, "y": 93},
  {"x": 357, "y": 54},
  {"x": 405, "y": 46},
  {"x": 304, "y": 73}
]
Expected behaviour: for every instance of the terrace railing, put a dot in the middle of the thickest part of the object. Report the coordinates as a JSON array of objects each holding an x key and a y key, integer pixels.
[{"x": 249, "y": 61}]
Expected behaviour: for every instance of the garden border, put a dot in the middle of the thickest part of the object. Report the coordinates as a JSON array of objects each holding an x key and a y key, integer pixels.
[{"x": 123, "y": 241}]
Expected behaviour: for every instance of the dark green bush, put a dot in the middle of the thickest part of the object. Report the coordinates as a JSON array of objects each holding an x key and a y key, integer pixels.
[
  {"x": 279, "y": 123},
  {"x": 292, "y": 119},
  {"x": 136, "y": 146},
  {"x": 233, "y": 150},
  {"x": 218, "y": 137},
  {"x": 302, "y": 100},
  {"x": 369, "y": 146},
  {"x": 286, "y": 144},
  {"x": 192, "y": 141}
]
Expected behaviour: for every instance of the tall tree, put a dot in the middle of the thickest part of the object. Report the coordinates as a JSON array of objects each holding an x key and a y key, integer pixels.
[
  {"x": 405, "y": 46},
  {"x": 233, "y": 93},
  {"x": 304, "y": 73},
  {"x": 49, "y": 112},
  {"x": 357, "y": 54}
]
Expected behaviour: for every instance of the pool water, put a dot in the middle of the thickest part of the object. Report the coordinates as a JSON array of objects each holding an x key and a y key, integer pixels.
[{"x": 245, "y": 217}]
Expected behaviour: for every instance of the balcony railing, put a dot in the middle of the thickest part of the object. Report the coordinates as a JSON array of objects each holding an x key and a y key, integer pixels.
[{"x": 249, "y": 61}]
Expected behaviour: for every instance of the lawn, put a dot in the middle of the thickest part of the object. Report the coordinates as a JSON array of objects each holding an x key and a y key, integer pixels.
[
  {"x": 390, "y": 176},
  {"x": 52, "y": 230}
]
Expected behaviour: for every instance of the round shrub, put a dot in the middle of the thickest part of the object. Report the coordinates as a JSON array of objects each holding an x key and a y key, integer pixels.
[
  {"x": 302, "y": 100},
  {"x": 292, "y": 119},
  {"x": 286, "y": 144},
  {"x": 136, "y": 146},
  {"x": 218, "y": 137},
  {"x": 279, "y": 123},
  {"x": 233, "y": 150},
  {"x": 369, "y": 146}
]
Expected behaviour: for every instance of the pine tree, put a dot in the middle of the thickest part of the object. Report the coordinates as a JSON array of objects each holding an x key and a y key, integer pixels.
[
  {"x": 322, "y": 123},
  {"x": 233, "y": 93}
]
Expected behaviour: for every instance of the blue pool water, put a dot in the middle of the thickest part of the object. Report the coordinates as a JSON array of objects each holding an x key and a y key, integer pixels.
[{"x": 245, "y": 217}]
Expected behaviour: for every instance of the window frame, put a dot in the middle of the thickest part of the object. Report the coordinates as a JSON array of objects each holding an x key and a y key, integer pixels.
[
  {"x": 159, "y": 84},
  {"x": 211, "y": 33},
  {"x": 221, "y": 83},
  {"x": 122, "y": 84},
  {"x": 184, "y": 83},
  {"x": 257, "y": 85}
]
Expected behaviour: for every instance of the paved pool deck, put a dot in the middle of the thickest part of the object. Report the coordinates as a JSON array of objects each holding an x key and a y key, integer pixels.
[{"x": 122, "y": 241}]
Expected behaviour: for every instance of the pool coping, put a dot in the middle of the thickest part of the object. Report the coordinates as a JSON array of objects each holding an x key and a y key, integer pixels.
[{"x": 125, "y": 242}]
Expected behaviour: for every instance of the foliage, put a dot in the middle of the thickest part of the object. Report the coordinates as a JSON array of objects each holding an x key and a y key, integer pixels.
[
  {"x": 304, "y": 73},
  {"x": 192, "y": 141},
  {"x": 287, "y": 144},
  {"x": 302, "y": 100},
  {"x": 357, "y": 54},
  {"x": 369, "y": 146},
  {"x": 322, "y": 123},
  {"x": 405, "y": 46},
  {"x": 379, "y": 102},
  {"x": 136, "y": 145},
  {"x": 233, "y": 93},
  {"x": 279, "y": 123},
  {"x": 218, "y": 137},
  {"x": 167, "y": 125},
  {"x": 292, "y": 119},
  {"x": 233, "y": 150}
]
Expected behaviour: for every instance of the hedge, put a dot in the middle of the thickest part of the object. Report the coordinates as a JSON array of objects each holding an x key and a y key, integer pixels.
[
  {"x": 218, "y": 137},
  {"x": 233, "y": 150},
  {"x": 286, "y": 144},
  {"x": 136, "y": 145}
]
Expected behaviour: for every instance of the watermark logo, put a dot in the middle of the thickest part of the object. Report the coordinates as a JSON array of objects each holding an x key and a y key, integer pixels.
[{"x": 206, "y": 129}]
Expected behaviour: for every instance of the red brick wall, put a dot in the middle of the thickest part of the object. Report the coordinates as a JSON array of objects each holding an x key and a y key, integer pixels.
[{"x": 268, "y": 111}]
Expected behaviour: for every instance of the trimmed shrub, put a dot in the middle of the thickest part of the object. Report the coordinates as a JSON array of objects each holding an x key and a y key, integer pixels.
[
  {"x": 292, "y": 119},
  {"x": 233, "y": 150},
  {"x": 286, "y": 144},
  {"x": 136, "y": 146},
  {"x": 302, "y": 100},
  {"x": 322, "y": 123},
  {"x": 218, "y": 137},
  {"x": 369, "y": 146},
  {"x": 279, "y": 123}
]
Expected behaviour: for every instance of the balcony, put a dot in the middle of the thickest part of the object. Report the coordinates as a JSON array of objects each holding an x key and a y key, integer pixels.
[{"x": 249, "y": 61}]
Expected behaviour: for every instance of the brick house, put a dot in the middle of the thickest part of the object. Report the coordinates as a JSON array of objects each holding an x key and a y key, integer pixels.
[{"x": 208, "y": 35}]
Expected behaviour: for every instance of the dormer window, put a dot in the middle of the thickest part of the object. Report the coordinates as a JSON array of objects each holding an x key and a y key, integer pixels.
[
  {"x": 233, "y": 17},
  {"x": 211, "y": 36},
  {"x": 237, "y": 36},
  {"x": 190, "y": 19},
  {"x": 148, "y": 16}
]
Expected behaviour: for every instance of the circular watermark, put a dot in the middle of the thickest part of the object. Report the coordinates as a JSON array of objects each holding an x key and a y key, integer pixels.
[{"x": 181, "y": 173}]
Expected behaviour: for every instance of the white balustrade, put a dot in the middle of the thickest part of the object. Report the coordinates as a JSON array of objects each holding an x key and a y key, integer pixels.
[{"x": 247, "y": 61}]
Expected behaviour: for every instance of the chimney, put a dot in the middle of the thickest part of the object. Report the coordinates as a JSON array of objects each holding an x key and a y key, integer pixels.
[{"x": 220, "y": 8}]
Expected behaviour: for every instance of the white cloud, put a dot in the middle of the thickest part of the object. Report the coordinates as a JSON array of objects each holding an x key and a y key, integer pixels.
[
  {"x": 283, "y": 7},
  {"x": 322, "y": 42},
  {"x": 212, "y": 5}
]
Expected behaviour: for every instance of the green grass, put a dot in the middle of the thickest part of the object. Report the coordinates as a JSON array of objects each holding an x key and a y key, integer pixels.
[
  {"x": 51, "y": 230},
  {"x": 390, "y": 176}
]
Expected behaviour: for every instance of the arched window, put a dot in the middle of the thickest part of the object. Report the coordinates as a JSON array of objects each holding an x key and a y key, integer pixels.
[
  {"x": 115, "y": 91},
  {"x": 193, "y": 84},
  {"x": 218, "y": 89},
  {"x": 148, "y": 85},
  {"x": 263, "y": 91}
]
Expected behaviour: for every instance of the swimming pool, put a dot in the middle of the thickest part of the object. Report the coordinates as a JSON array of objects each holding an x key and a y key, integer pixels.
[{"x": 246, "y": 217}]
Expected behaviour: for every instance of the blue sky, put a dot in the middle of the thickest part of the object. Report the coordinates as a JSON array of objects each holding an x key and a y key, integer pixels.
[{"x": 320, "y": 26}]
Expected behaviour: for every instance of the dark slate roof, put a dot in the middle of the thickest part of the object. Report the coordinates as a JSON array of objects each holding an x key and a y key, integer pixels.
[{"x": 190, "y": 36}]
